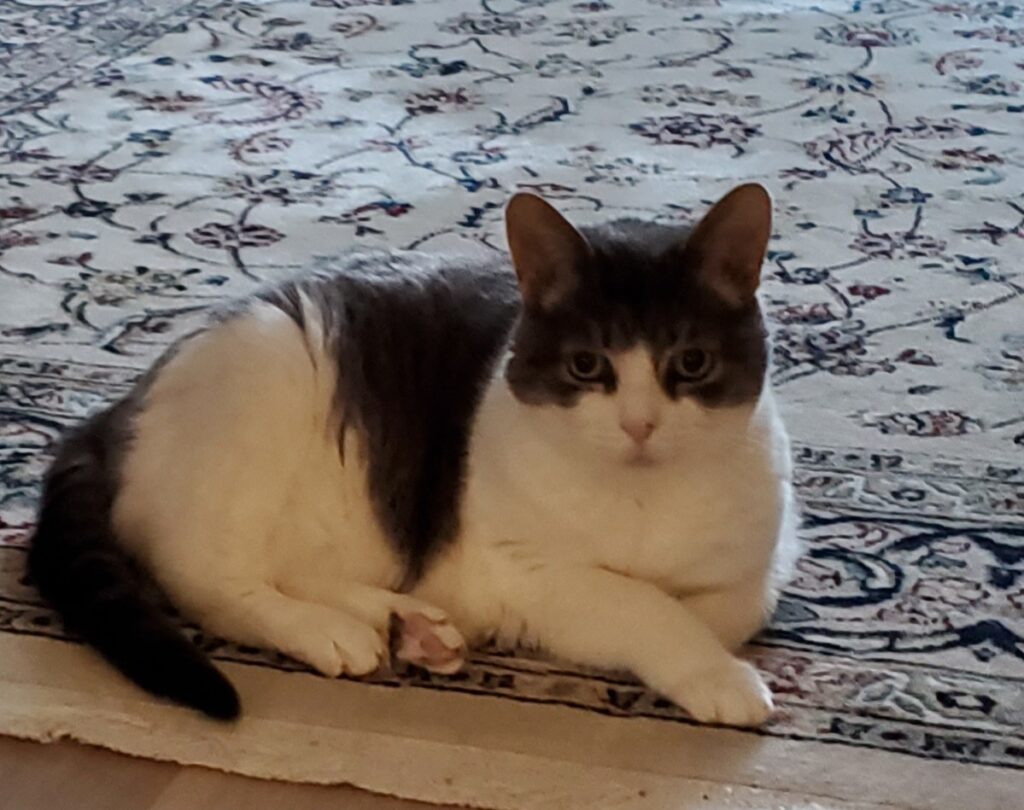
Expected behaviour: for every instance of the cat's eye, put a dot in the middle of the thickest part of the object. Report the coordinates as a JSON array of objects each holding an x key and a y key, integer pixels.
[
  {"x": 692, "y": 364},
  {"x": 587, "y": 366}
]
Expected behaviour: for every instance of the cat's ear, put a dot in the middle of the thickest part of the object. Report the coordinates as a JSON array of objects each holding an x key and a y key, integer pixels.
[
  {"x": 546, "y": 250},
  {"x": 729, "y": 243}
]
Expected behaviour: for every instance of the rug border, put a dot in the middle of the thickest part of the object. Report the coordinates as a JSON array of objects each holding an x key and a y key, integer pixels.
[{"x": 307, "y": 729}]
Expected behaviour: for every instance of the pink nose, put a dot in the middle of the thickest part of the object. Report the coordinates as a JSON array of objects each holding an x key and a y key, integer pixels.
[{"x": 638, "y": 430}]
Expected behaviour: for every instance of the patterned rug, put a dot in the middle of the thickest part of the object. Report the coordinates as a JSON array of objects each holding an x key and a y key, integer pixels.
[{"x": 160, "y": 155}]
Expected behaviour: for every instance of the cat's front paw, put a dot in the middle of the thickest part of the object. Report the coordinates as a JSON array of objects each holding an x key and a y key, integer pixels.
[
  {"x": 335, "y": 644},
  {"x": 730, "y": 694}
]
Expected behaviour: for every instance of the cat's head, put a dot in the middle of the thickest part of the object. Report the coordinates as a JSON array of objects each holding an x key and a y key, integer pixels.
[{"x": 635, "y": 338}]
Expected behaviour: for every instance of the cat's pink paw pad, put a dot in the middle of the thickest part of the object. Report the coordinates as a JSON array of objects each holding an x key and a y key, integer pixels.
[{"x": 427, "y": 639}]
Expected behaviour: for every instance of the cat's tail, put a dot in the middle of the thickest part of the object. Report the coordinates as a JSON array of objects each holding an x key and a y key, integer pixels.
[{"x": 80, "y": 569}]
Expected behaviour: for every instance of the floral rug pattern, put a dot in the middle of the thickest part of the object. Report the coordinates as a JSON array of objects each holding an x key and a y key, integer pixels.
[{"x": 157, "y": 156}]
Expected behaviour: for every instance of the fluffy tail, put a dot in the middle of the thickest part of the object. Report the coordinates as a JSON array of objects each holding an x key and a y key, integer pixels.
[{"x": 80, "y": 569}]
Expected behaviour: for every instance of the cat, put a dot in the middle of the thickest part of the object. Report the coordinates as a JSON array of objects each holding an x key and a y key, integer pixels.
[{"x": 581, "y": 456}]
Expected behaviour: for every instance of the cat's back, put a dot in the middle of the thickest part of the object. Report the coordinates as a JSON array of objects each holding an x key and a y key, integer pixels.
[{"x": 391, "y": 299}]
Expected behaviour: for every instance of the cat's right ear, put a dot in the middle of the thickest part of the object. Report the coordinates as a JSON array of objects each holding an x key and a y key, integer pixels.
[{"x": 546, "y": 251}]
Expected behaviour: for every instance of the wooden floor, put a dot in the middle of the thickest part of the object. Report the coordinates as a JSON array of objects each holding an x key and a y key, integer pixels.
[{"x": 66, "y": 776}]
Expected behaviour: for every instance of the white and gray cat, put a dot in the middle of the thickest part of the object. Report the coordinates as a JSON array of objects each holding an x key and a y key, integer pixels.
[{"x": 417, "y": 449}]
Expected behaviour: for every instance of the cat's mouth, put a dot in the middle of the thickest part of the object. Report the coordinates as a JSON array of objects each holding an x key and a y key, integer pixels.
[{"x": 640, "y": 457}]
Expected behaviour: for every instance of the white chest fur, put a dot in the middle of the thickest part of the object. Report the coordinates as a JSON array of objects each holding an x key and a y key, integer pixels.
[{"x": 703, "y": 519}]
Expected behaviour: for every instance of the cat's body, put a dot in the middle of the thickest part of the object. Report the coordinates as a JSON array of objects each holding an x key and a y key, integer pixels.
[{"x": 405, "y": 438}]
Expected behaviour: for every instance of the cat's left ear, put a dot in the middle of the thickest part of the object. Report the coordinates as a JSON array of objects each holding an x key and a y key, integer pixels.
[
  {"x": 547, "y": 251},
  {"x": 729, "y": 243}
]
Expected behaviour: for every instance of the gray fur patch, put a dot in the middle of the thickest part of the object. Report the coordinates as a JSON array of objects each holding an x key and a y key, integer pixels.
[{"x": 416, "y": 339}]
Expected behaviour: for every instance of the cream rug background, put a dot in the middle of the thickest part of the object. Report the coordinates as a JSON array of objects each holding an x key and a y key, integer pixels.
[{"x": 159, "y": 155}]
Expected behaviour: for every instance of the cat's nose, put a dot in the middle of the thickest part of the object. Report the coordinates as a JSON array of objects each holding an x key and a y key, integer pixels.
[{"x": 639, "y": 430}]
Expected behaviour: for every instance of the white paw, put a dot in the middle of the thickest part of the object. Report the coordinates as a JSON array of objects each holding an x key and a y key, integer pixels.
[
  {"x": 338, "y": 645},
  {"x": 731, "y": 694},
  {"x": 423, "y": 635}
]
